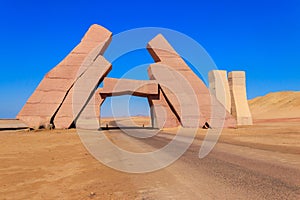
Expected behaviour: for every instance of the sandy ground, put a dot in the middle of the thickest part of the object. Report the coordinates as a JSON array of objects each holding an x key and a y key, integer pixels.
[
  {"x": 258, "y": 162},
  {"x": 133, "y": 121}
]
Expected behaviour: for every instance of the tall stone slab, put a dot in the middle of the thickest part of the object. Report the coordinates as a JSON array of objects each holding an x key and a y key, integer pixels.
[
  {"x": 218, "y": 86},
  {"x": 89, "y": 118},
  {"x": 211, "y": 110},
  {"x": 98, "y": 102},
  {"x": 178, "y": 95},
  {"x": 161, "y": 113},
  {"x": 81, "y": 94},
  {"x": 240, "y": 108},
  {"x": 50, "y": 94}
]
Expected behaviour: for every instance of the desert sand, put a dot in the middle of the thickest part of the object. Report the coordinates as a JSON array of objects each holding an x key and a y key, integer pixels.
[
  {"x": 276, "y": 105},
  {"x": 251, "y": 162}
]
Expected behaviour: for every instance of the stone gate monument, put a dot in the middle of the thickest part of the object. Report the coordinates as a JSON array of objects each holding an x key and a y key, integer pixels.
[{"x": 52, "y": 103}]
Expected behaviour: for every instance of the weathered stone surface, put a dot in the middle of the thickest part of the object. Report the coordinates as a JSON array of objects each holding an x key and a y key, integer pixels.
[
  {"x": 161, "y": 113},
  {"x": 117, "y": 87},
  {"x": 12, "y": 124},
  {"x": 178, "y": 94},
  {"x": 98, "y": 102},
  {"x": 218, "y": 85},
  {"x": 163, "y": 53},
  {"x": 90, "y": 116},
  {"x": 240, "y": 108},
  {"x": 81, "y": 93},
  {"x": 41, "y": 107}
]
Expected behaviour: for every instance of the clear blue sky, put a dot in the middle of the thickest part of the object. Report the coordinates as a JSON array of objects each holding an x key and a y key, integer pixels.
[{"x": 261, "y": 37}]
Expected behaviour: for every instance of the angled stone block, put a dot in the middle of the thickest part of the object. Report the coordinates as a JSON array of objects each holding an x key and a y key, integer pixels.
[
  {"x": 81, "y": 93},
  {"x": 164, "y": 54},
  {"x": 90, "y": 116},
  {"x": 176, "y": 92},
  {"x": 53, "y": 89},
  {"x": 161, "y": 113}
]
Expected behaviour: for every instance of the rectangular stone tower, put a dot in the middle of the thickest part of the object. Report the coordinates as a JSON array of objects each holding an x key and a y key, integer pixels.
[
  {"x": 218, "y": 86},
  {"x": 239, "y": 104}
]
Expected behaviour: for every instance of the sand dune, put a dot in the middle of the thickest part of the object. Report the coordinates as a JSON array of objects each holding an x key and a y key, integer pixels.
[{"x": 276, "y": 105}]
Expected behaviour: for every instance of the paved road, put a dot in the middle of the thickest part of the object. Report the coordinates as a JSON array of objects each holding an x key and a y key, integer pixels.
[{"x": 228, "y": 172}]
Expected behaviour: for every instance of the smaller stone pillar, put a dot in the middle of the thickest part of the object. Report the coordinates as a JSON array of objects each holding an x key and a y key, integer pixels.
[
  {"x": 218, "y": 86},
  {"x": 239, "y": 104}
]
